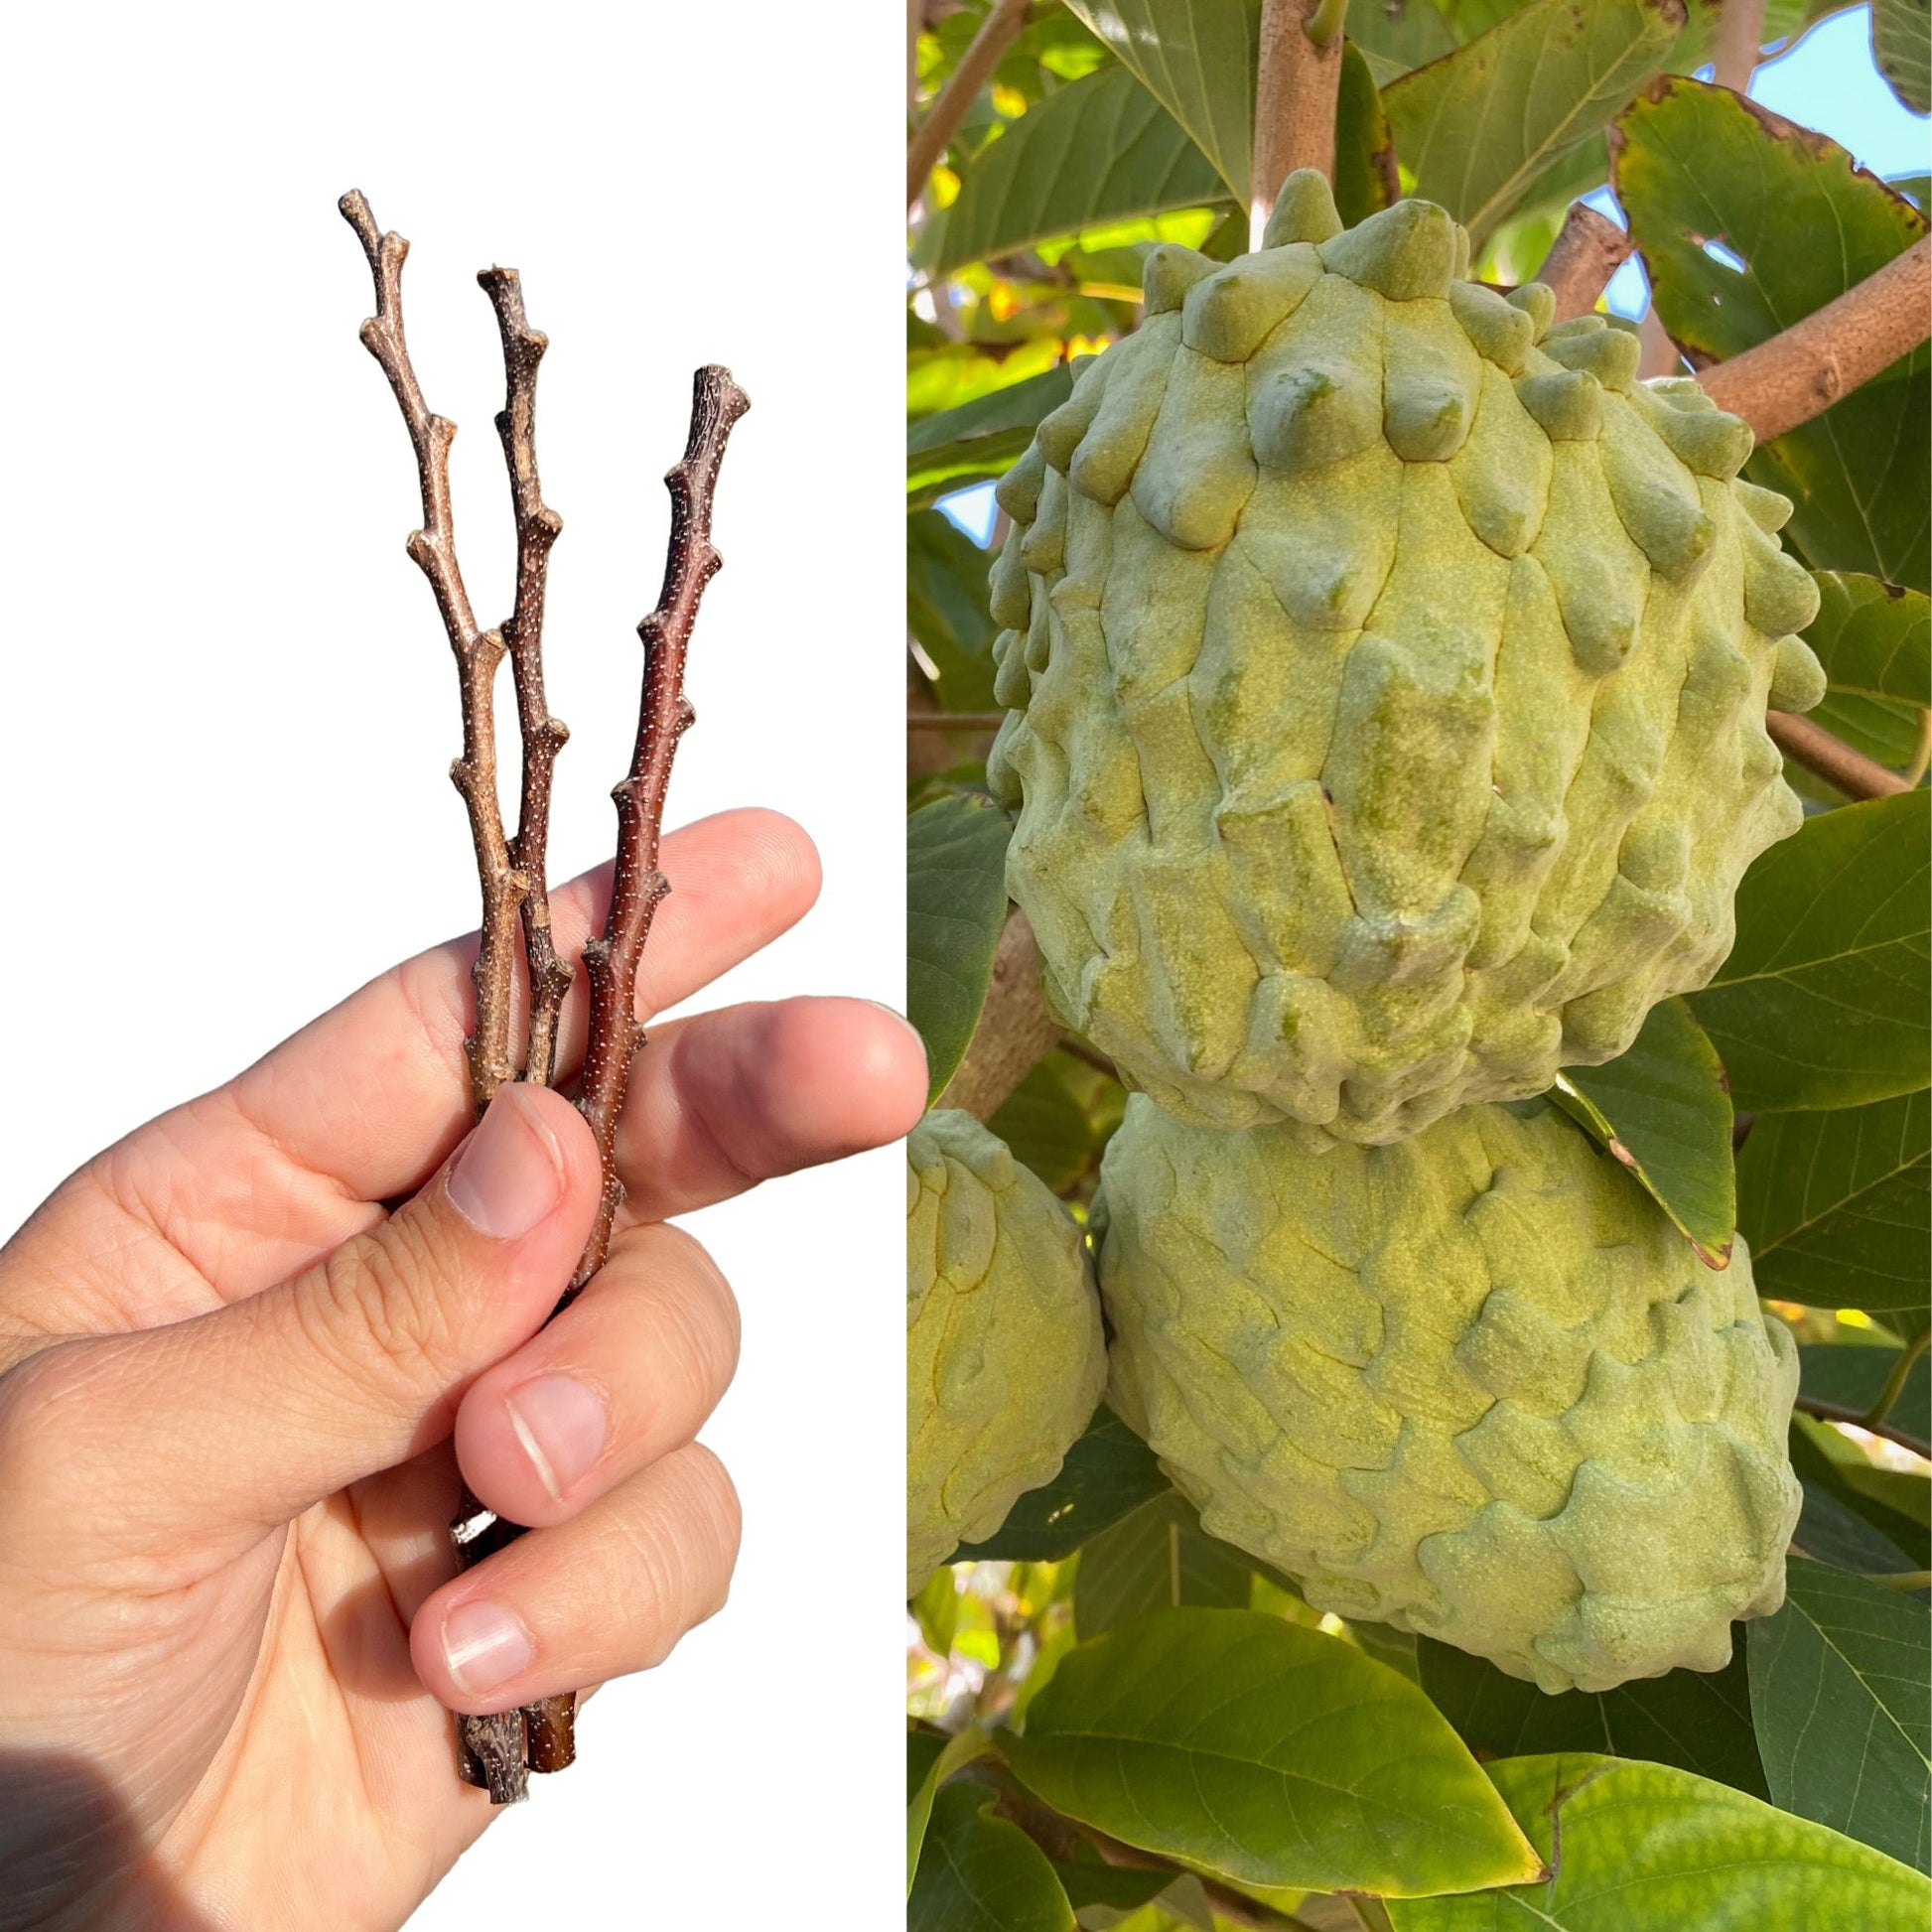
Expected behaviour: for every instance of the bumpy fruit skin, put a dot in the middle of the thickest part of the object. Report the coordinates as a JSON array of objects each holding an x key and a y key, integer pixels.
[
  {"x": 1387, "y": 673},
  {"x": 1473, "y": 1385},
  {"x": 1005, "y": 1358}
]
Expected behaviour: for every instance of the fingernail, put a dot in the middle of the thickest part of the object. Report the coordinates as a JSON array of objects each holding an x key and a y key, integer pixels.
[
  {"x": 901, "y": 1018},
  {"x": 562, "y": 1426},
  {"x": 484, "y": 1646},
  {"x": 508, "y": 1175}
]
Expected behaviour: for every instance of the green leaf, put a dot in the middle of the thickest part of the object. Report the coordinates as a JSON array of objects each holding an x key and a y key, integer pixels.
[
  {"x": 929, "y": 1762},
  {"x": 1831, "y": 1531},
  {"x": 955, "y": 908},
  {"x": 1825, "y": 1461},
  {"x": 1251, "y": 1750},
  {"x": 1822, "y": 1001},
  {"x": 1479, "y": 126},
  {"x": 1852, "y": 1375},
  {"x": 1872, "y": 639},
  {"x": 936, "y": 1610},
  {"x": 1664, "y": 1111},
  {"x": 1835, "y": 1208},
  {"x": 1047, "y": 1128},
  {"x": 1394, "y": 36},
  {"x": 1108, "y": 1473},
  {"x": 1122, "y": 1889},
  {"x": 1697, "y": 1721},
  {"x": 1901, "y": 33},
  {"x": 1840, "y": 1690},
  {"x": 980, "y": 438},
  {"x": 978, "y": 1874},
  {"x": 1365, "y": 167},
  {"x": 1645, "y": 1847},
  {"x": 1102, "y": 149},
  {"x": 1697, "y": 165},
  {"x": 945, "y": 609},
  {"x": 1154, "y": 1560},
  {"x": 1199, "y": 61}
]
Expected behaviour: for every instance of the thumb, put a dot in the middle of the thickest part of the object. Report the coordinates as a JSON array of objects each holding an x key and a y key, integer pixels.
[{"x": 249, "y": 1415}]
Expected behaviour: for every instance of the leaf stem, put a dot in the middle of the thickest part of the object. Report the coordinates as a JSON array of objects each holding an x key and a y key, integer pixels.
[
  {"x": 1903, "y": 1580},
  {"x": 1901, "y": 1370},
  {"x": 1843, "y": 1412},
  {"x": 1836, "y": 763}
]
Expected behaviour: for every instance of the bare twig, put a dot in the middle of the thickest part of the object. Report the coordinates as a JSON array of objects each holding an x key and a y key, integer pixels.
[
  {"x": 1015, "y": 1032},
  {"x": 1801, "y": 372},
  {"x": 543, "y": 736},
  {"x": 1296, "y": 85},
  {"x": 1834, "y": 761},
  {"x": 1588, "y": 250},
  {"x": 999, "y": 31},
  {"x": 1843, "y": 1412},
  {"x": 1740, "y": 33},
  {"x": 478, "y": 653},
  {"x": 664, "y": 716}
]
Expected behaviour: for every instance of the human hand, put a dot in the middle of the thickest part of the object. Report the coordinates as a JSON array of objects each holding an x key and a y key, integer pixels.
[{"x": 237, "y": 1393}]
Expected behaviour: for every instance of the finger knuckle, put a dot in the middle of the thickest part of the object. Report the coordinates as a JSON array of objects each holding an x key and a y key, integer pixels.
[{"x": 379, "y": 1309}]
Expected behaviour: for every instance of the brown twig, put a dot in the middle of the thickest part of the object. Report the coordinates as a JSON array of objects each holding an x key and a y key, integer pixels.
[
  {"x": 543, "y": 737},
  {"x": 1834, "y": 761},
  {"x": 1740, "y": 34},
  {"x": 478, "y": 653},
  {"x": 664, "y": 716},
  {"x": 997, "y": 33},
  {"x": 1015, "y": 1032},
  {"x": 1588, "y": 250},
  {"x": 954, "y": 721},
  {"x": 1800, "y": 372},
  {"x": 1297, "y": 83},
  {"x": 1843, "y": 1412}
]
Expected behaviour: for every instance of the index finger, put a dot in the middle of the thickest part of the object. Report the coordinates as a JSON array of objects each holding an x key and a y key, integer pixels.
[{"x": 374, "y": 1092}]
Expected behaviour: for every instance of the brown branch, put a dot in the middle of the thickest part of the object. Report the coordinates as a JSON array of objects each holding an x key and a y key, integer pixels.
[
  {"x": 1801, "y": 372},
  {"x": 1015, "y": 1032},
  {"x": 1297, "y": 82},
  {"x": 1588, "y": 250},
  {"x": 477, "y": 654},
  {"x": 1843, "y": 1412},
  {"x": 1834, "y": 761},
  {"x": 1740, "y": 34},
  {"x": 543, "y": 737},
  {"x": 664, "y": 716},
  {"x": 491, "y": 1750},
  {"x": 954, "y": 721},
  {"x": 997, "y": 33}
]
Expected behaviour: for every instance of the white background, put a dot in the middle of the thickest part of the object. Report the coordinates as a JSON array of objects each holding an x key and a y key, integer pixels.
[{"x": 227, "y": 708}]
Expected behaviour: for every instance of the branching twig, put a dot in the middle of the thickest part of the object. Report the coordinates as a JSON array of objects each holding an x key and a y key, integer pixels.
[
  {"x": 543, "y": 737},
  {"x": 476, "y": 654},
  {"x": 1843, "y": 1412},
  {"x": 665, "y": 715},
  {"x": 997, "y": 33},
  {"x": 1801, "y": 372},
  {"x": 1296, "y": 85},
  {"x": 1834, "y": 761},
  {"x": 1740, "y": 33},
  {"x": 1588, "y": 250}
]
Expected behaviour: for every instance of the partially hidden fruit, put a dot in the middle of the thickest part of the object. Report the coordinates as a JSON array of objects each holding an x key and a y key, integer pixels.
[
  {"x": 1474, "y": 1385},
  {"x": 1387, "y": 672},
  {"x": 1003, "y": 1353}
]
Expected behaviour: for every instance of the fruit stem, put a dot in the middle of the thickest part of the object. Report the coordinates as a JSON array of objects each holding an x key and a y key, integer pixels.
[{"x": 1296, "y": 85}]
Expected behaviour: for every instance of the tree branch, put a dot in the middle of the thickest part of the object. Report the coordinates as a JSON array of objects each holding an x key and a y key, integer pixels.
[
  {"x": 664, "y": 716},
  {"x": 1801, "y": 372},
  {"x": 491, "y": 1750},
  {"x": 1740, "y": 33},
  {"x": 1588, "y": 250},
  {"x": 1015, "y": 1032},
  {"x": 1834, "y": 761},
  {"x": 543, "y": 737},
  {"x": 997, "y": 33},
  {"x": 477, "y": 654},
  {"x": 1843, "y": 1412},
  {"x": 1296, "y": 85}
]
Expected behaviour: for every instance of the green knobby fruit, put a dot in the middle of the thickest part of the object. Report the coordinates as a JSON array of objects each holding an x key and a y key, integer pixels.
[
  {"x": 1003, "y": 1353},
  {"x": 1474, "y": 1384},
  {"x": 1387, "y": 673}
]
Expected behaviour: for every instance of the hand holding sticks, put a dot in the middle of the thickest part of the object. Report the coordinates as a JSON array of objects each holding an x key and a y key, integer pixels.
[{"x": 500, "y": 1751}]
